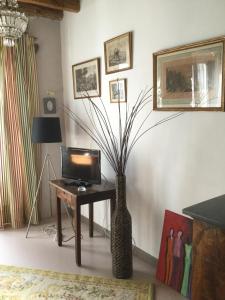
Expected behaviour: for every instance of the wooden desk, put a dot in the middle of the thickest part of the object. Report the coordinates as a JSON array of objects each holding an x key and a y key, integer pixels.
[{"x": 74, "y": 199}]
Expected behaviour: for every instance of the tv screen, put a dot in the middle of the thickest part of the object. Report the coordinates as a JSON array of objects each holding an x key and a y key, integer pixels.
[{"x": 81, "y": 165}]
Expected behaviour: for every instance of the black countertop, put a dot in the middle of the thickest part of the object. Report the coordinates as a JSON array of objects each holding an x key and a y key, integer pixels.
[{"x": 211, "y": 211}]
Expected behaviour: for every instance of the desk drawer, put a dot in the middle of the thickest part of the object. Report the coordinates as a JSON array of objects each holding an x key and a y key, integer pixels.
[{"x": 66, "y": 197}]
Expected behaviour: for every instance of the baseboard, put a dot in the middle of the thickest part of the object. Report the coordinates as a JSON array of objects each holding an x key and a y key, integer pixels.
[
  {"x": 136, "y": 251},
  {"x": 145, "y": 256}
]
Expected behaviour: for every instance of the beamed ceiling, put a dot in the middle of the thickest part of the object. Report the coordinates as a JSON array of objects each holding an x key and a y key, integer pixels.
[{"x": 52, "y": 9}]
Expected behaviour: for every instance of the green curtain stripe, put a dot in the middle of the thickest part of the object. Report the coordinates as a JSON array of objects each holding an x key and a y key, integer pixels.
[
  {"x": 25, "y": 92},
  {"x": 4, "y": 157},
  {"x": 18, "y": 157},
  {"x": 14, "y": 183},
  {"x": 2, "y": 139},
  {"x": 7, "y": 193}
]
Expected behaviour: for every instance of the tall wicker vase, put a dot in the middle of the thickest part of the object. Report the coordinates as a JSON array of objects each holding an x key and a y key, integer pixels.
[{"x": 122, "y": 259}]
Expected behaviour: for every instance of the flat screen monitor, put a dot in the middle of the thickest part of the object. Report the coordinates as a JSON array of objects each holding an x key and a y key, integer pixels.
[{"x": 81, "y": 165}]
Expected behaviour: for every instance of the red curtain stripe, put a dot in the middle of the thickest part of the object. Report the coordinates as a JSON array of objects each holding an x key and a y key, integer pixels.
[{"x": 19, "y": 103}]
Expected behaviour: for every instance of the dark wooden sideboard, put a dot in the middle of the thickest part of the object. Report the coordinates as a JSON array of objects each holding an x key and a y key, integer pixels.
[{"x": 208, "y": 260}]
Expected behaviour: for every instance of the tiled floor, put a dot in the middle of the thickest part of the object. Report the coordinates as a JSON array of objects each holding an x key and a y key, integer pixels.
[{"x": 41, "y": 251}]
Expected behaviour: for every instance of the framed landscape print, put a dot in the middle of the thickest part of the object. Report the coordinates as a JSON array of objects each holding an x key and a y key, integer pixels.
[
  {"x": 190, "y": 77},
  {"x": 86, "y": 79},
  {"x": 118, "y": 90},
  {"x": 118, "y": 53}
]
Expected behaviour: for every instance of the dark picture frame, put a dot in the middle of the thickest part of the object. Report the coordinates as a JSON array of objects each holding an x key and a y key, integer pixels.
[
  {"x": 49, "y": 105},
  {"x": 118, "y": 90},
  {"x": 190, "y": 77},
  {"x": 87, "y": 79},
  {"x": 118, "y": 53}
]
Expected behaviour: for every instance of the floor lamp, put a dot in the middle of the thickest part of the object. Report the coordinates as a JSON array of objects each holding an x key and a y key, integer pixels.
[{"x": 44, "y": 130}]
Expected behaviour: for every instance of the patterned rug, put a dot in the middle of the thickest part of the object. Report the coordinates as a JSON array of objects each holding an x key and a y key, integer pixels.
[{"x": 28, "y": 284}]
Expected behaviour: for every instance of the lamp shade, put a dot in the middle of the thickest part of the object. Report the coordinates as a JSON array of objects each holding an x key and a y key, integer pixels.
[{"x": 46, "y": 130}]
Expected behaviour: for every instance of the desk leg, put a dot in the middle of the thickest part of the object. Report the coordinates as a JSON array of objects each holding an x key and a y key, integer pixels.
[
  {"x": 59, "y": 222},
  {"x": 91, "y": 217},
  {"x": 77, "y": 235},
  {"x": 112, "y": 208}
]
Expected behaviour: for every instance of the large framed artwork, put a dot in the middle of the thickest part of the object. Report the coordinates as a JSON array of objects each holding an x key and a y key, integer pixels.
[
  {"x": 118, "y": 90},
  {"x": 175, "y": 257},
  {"x": 190, "y": 77},
  {"x": 118, "y": 53},
  {"x": 86, "y": 79}
]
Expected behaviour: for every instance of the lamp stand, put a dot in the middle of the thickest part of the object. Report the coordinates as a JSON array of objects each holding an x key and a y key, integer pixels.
[{"x": 47, "y": 160}]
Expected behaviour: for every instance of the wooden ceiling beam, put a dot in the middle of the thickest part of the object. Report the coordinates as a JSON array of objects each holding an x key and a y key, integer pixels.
[
  {"x": 38, "y": 11},
  {"x": 69, "y": 5}
]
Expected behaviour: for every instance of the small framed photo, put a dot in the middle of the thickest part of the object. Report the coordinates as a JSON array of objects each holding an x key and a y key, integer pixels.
[
  {"x": 86, "y": 79},
  {"x": 118, "y": 53},
  {"x": 49, "y": 104},
  {"x": 118, "y": 90},
  {"x": 190, "y": 77}
]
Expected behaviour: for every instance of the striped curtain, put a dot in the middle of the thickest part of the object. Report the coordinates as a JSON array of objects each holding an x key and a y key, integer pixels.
[{"x": 19, "y": 103}]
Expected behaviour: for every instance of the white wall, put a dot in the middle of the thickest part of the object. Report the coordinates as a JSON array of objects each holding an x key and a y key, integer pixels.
[
  {"x": 181, "y": 162},
  {"x": 49, "y": 71}
]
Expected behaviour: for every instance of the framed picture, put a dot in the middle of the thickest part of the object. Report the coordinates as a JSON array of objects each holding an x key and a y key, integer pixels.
[
  {"x": 190, "y": 77},
  {"x": 49, "y": 104},
  {"x": 175, "y": 257},
  {"x": 118, "y": 90},
  {"x": 86, "y": 79},
  {"x": 118, "y": 53}
]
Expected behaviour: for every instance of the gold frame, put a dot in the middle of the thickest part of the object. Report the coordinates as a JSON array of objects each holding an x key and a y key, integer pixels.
[
  {"x": 177, "y": 50},
  {"x": 130, "y": 51},
  {"x": 125, "y": 90},
  {"x": 97, "y": 61}
]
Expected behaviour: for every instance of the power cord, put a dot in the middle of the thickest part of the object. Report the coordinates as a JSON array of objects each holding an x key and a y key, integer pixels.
[
  {"x": 105, "y": 178},
  {"x": 105, "y": 219},
  {"x": 134, "y": 243},
  {"x": 51, "y": 230}
]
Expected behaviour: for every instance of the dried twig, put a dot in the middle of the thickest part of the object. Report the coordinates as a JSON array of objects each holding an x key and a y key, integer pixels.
[{"x": 117, "y": 148}]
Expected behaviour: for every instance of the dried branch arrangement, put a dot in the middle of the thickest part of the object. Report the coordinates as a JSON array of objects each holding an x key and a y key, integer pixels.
[{"x": 117, "y": 147}]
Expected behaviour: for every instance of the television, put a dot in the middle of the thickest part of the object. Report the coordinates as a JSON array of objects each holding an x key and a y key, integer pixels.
[{"x": 81, "y": 166}]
